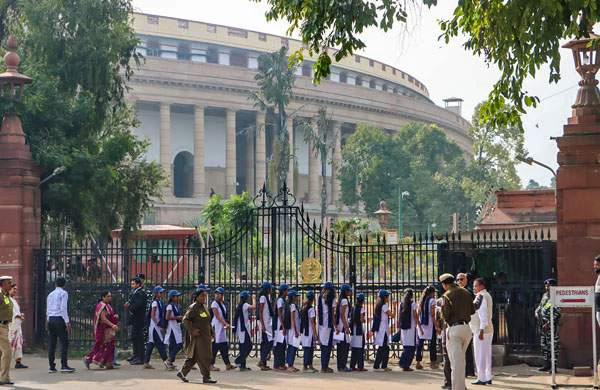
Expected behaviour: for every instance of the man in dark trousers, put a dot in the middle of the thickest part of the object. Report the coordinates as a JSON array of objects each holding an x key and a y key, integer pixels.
[
  {"x": 58, "y": 326},
  {"x": 136, "y": 304}
]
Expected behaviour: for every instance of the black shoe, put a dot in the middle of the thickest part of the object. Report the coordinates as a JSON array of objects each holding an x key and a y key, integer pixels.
[
  {"x": 136, "y": 362},
  {"x": 67, "y": 369},
  {"x": 52, "y": 370},
  {"x": 488, "y": 382},
  {"x": 209, "y": 381},
  {"x": 8, "y": 382},
  {"x": 446, "y": 386},
  {"x": 544, "y": 368},
  {"x": 130, "y": 358},
  {"x": 21, "y": 365},
  {"x": 182, "y": 377},
  {"x": 478, "y": 382}
]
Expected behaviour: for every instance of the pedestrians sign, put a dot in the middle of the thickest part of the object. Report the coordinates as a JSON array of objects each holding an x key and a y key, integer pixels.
[
  {"x": 564, "y": 296},
  {"x": 573, "y": 296}
]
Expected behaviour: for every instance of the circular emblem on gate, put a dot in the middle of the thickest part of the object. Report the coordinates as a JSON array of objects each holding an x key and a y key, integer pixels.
[{"x": 311, "y": 270}]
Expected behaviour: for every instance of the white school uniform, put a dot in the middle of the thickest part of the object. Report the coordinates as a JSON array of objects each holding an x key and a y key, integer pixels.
[
  {"x": 307, "y": 341},
  {"x": 154, "y": 321},
  {"x": 324, "y": 330},
  {"x": 291, "y": 336},
  {"x": 427, "y": 329},
  {"x": 409, "y": 336},
  {"x": 173, "y": 328},
  {"x": 384, "y": 327},
  {"x": 279, "y": 337},
  {"x": 357, "y": 340},
  {"x": 267, "y": 319},
  {"x": 246, "y": 318},
  {"x": 220, "y": 331}
]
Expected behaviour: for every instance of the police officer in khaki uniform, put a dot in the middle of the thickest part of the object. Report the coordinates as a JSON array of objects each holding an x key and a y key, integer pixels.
[
  {"x": 198, "y": 337},
  {"x": 6, "y": 313}
]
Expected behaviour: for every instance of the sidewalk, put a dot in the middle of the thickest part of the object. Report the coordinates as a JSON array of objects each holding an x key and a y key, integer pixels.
[{"x": 36, "y": 377}]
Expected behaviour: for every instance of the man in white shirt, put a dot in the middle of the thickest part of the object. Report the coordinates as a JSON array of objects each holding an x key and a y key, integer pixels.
[
  {"x": 58, "y": 325},
  {"x": 597, "y": 287},
  {"x": 483, "y": 332}
]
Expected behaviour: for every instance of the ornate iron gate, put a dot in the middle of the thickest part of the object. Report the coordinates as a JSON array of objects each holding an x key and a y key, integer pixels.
[{"x": 279, "y": 242}]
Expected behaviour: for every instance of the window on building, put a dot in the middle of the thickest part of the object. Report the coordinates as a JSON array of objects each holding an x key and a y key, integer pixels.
[
  {"x": 211, "y": 28},
  {"x": 410, "y": 79},
  {"x": 371, "y": 63},
  {"x": 238, "y": 58},
  {"x": 212, "y": 55},
  {"x": 385, "y": 88},
  {"x": 359, "y": 80},
  {"x": 152, "y": 19},
  {"x": 237, "y": 32},
  {"x": 343, "y": 77},
  {"x": 357, "y": 58},
  {"x": 285, "y": 42},
  {"x": 306, "y": 69},
  {"x": 183, "y": 52},
  {"x": 395, "y": 89},
  {"x": 153, "y": 49},
  {"x": 394, "y": 71},
  {"x": 183, "y": 175},
  {"x": 372, "y": 84},
  {"x": 184, "y": 24},
  {"x": 383, "y": 67},
  {"x": 262, "y": 36},
  {"x": 403, "y": 75}
]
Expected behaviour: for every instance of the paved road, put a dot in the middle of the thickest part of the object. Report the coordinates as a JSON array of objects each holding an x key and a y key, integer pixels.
[{"x": 36, "y": 377}]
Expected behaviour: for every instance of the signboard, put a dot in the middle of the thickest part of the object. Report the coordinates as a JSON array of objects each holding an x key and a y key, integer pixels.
[
  {"x": 391, "y": 237},
  {"x": 572, "y": 296}
]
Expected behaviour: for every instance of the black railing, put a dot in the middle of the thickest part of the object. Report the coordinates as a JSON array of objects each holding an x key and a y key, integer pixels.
[{"x": 279, "y": 242}]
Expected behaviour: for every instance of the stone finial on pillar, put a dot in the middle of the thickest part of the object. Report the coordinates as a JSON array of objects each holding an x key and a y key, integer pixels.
[{"x": 11, "y": 86}]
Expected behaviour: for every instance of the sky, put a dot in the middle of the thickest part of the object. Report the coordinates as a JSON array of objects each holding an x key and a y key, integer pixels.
[{"x": 446, "y": 69}]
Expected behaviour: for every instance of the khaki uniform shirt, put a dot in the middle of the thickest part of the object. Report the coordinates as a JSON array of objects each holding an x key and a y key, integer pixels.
[
  {"x": 458, "y": 305},
  {"x": 197, "y": 317},
  {"x": 6, "y": 307}
]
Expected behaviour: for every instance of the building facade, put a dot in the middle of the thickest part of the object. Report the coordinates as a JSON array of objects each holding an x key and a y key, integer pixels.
[{"x": 192, "y": 102}]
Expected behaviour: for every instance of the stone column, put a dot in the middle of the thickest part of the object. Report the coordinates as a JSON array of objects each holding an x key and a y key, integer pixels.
[
  {"x": 337, "y": 163},
  {"x": 261, "y": 152},
  {"x": 578, "y": 214},
  {"x": 290, "y": 129},
  {"x": 165, "y": 144},
  {"x": 199, "y": 174},
  {"x": 314, "y": 175},
  {"x": 250, "y": 161},
  {"x": 231, "y": 169},
  {"x": 20, "y": 201}
]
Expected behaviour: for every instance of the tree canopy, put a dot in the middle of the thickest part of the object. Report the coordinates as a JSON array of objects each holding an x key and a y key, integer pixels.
[
  {"x": 418, "y": 159},
  {"x": 518, "y": 36},
  {"x": 80, "y": 55}
]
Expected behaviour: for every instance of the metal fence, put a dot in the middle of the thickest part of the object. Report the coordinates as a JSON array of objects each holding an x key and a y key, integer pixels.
[{"x": 279, "y": 242}]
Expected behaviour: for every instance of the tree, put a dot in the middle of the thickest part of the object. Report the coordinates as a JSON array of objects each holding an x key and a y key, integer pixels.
[
  {"x": 418, "y": 159},
  {"x": 518, "y": 35},
  {"x": 322, "y": 139},
  {"x": 494, "y": 164},
  {"x": 80, "y": 55},
  {"x": 275, "y": 80},
  {"x": 533, "y": 185}
]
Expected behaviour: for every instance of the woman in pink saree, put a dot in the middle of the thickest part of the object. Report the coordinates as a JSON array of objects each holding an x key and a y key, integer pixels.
[{"x": 105, "y": 330}]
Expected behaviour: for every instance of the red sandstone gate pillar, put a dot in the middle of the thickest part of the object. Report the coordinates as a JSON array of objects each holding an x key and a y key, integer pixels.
[
  {"x": 19, "y": 194},
  {"x": 578, "y": 202}
]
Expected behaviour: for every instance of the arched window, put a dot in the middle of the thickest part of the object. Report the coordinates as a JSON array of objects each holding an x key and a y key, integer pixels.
[{"x": 183, "y": 175}]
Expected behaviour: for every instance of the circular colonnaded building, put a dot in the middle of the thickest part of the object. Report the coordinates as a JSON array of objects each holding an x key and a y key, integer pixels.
[{"x": 192, "y": 102}]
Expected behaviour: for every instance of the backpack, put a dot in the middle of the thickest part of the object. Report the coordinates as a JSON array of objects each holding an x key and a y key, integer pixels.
[{"x": 162, "y": 315}]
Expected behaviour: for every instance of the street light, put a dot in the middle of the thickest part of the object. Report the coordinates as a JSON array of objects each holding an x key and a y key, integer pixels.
[
  {"x": 401, "y": 195},
  {"x": 57, "y": 171},
  {"x": 531, "y": 161}
]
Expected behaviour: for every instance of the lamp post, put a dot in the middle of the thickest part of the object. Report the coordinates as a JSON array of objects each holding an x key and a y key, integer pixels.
[
  {"x": 401, "y": 195},
  {"x": 587, "y": 63},
  {"x": 532, "y": 161}
]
